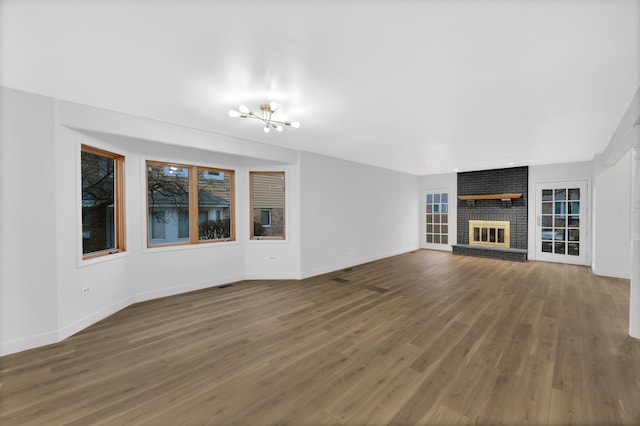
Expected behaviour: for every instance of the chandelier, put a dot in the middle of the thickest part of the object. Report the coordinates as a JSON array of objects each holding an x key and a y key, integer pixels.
[{"x": 266, "y": 111}]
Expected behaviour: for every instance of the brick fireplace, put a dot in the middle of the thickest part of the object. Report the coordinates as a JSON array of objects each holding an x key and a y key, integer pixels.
[{"x": 492, "y": 213}]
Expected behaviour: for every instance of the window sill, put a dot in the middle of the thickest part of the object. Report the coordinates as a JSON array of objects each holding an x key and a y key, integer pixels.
[
  {"x": 179, "y": 247},
  {"x": 105, "y": 258},
  {"x": 268, "y": 240}
]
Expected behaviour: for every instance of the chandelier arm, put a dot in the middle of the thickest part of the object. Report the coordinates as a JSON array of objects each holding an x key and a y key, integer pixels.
[
  {"x": 252, "y": 115},
  {"x": 284, "y": 123}
]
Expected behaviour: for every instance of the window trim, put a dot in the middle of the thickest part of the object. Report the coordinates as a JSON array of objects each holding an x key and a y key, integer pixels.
[
  {"x": 193, "y": 239},
  {"x": 119, "y": 199},
  {"x": 253, "y": 237}
]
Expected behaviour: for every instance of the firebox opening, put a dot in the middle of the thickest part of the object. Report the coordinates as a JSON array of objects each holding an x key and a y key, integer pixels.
[{"x": 493, "y": 233}]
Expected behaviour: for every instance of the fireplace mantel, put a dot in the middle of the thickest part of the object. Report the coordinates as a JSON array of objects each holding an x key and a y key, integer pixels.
[{"x": 490, "y": 197}]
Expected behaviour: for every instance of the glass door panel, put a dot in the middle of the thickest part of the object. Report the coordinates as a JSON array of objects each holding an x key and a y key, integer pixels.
[
  {"x": 436, "y": 219},
  {"x": 560, "y": 231}
]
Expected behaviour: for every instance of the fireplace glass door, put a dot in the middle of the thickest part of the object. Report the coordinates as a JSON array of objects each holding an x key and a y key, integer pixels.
[{"x": 561, "y": 222}]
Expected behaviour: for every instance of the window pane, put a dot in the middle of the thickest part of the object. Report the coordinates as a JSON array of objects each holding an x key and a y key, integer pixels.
[
  {"x": 574, "y": 207},
  {"x": 429, "y": 198},
  {"x": 547, "y": 194},
  {"x": 445, "y": 208},
  {"x": 429, "y": 208},
  {"x": 574, "y": 221},
  {"x": 214, "y": 204},
  {"x": 98, "y": 178},
  {"x": 436, "y": 198},
  {"x": 574, "y": 193},
  {"x": 547, "y": 221},
  {"x": 444, "y": 198},
  {"x": 268, "y": 198},
  {"x": 574, "y": 235},
  {"x": 547, "y": 208},
  {"x": 167, "y": 194},
  {"x": 573, "y": 249},
  {"x": 183, "y": 224},
  {"x": 436, "y": 208},
  {"x": 444, "y": 218},
  {"x": 158, "y": 225},
  {"x": 560, "y": 194}
]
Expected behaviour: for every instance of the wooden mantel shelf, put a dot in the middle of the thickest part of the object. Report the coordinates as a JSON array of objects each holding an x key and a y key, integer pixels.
[{"x": 489, "y": 197}]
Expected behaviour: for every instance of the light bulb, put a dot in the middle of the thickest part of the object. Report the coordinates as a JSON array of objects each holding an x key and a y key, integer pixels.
[
  {"x": 233, "y": 113},
  {"x": 243, "y": 109},
  {"x": 267, "y": 129},
  {"x": 295, "y": 124},
  {"x": 279, "y": 128},
  {"x": 273, "y": 105}
]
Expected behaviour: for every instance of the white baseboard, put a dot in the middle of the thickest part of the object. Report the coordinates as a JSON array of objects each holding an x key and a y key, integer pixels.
[
  {"x": 351, "y": 263},
  {"x": 81, "y": 324},
  {"x": 272, "y": 276},
  {"x": 171, "y": 291},
  {"x": 610, "y": 273},
  {"x": 30, "y": 342}
]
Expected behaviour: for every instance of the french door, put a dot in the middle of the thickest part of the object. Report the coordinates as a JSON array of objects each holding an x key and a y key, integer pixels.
[
  {"x": 562, "y": 218},
  {"x": 436, "y": 219}
]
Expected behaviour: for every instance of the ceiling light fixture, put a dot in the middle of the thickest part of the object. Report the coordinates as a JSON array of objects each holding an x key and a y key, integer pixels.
[{"x": 266, "y": 111}]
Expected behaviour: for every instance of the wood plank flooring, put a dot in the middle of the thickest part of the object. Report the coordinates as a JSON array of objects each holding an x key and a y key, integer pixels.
[{"x": 420, "y": 338}]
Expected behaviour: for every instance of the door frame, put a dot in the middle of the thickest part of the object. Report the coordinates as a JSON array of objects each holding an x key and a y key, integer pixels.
[
  {"x": 453, "y": 215},
  {"x": 585, "y": 221}
]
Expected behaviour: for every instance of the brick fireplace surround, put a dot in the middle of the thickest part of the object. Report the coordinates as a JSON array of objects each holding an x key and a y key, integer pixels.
[{"x": 513, "y": 180}]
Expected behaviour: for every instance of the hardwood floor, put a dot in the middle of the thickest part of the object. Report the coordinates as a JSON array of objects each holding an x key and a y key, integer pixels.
[{"x": 421, "y": 338}]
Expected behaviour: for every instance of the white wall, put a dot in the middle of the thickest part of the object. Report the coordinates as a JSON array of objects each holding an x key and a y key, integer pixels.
[
  {"x": 42, "y": 268},
  {"x": 441, "y": 182},
  {"x": 275, "y": 259},
  {"x": 612, "y": 219},
  {"x": 353, "y": 213},
  {"x": 27, "y": 221}
]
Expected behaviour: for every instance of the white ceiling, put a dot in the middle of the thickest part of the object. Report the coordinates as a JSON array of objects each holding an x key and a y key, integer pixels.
[{"x": 417, "y": 86}]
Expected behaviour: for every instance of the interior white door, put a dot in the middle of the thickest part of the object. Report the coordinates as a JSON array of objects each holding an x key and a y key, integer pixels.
[
  {"x": 437, "y": 220},
  {"x": 562, "y": 218}
]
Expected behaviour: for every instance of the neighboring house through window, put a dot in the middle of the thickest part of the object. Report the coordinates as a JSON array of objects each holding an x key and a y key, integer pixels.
[
  {"x": 267, "y": 205},
  {"x": 188, "y": 204}
]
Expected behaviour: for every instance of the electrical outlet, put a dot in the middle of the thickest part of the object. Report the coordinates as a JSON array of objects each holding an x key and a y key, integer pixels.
[{"x": 85, "y": 290}]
